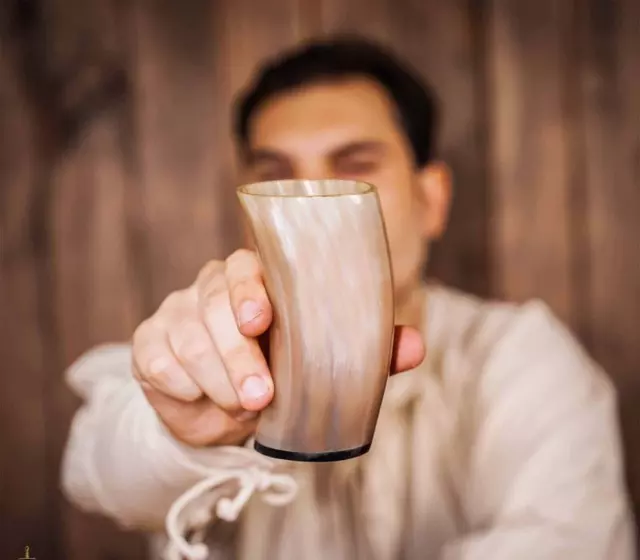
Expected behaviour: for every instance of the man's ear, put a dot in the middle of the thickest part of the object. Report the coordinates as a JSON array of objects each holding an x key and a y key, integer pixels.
[{"x": 435, "y": 185}]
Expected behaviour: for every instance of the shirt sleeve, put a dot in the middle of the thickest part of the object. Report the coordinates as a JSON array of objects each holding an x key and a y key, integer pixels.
[
  {"x": 120, "y": 461},
  {"x": 545, "y": 477}
]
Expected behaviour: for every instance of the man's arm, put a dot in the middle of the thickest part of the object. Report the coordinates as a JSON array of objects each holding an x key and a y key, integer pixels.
[
  {"x": 545, "y": 470},
  {"x": 175, "y": 408},
  {"x": 120, "y": 461}
]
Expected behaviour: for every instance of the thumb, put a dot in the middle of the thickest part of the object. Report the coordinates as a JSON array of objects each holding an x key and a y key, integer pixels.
[{"x": 408, "y": 349}]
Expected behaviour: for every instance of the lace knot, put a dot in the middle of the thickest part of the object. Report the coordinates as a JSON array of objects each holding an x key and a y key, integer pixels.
[{"x": 275, "y": 489}]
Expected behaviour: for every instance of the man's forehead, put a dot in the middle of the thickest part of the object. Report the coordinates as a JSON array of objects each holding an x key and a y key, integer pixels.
[
  {"x": 323, "y": 116},
  {"x": 331, "y": 149}
]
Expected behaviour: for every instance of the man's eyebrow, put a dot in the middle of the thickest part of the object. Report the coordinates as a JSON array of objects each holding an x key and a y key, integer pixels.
[
  {"x": 264, "y": 154},
  {"x": 257, "y": 155},
  {"x": 372, "y": 146}
]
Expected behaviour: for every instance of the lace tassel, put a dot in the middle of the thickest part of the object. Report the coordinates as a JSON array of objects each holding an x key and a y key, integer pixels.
[{"x": 283, "y": 489}]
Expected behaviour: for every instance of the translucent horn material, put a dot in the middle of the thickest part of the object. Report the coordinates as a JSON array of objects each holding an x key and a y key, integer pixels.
[{"x": 327, "y": 271}]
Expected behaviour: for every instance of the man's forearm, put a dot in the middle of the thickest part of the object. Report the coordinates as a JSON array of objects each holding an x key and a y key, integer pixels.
[{"x": 122, "y": 463}]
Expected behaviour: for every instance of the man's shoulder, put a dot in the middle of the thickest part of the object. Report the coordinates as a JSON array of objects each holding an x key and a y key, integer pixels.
[
  {"x": 498, "y": 341},
  {"x": 469, "y": 323}
]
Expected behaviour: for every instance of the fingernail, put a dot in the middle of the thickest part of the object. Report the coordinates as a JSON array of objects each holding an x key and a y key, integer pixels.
[
  {"x": 249, "y": 310},
  {"x": 254, "y": 387}
]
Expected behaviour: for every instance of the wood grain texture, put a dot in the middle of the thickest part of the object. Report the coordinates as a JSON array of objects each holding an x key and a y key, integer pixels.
[
  {"x": 529, "y": 162},
  {"x": 174, "y": 92},
  {"x": 96, "y": 294},
  {"x": 25, "y": 506},
  {"x": 368, "y": 18},
  {"x": 609, "y": 35},
  {"x": 608, "y": 47},
  {"x": 247, "y": 33}
]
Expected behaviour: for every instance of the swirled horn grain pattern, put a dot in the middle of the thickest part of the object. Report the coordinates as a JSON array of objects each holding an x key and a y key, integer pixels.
[{"x": 328, "y": 275}]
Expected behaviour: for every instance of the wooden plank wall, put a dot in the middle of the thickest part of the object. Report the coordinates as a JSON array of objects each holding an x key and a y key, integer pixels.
[{"x": 116, "y": 176}]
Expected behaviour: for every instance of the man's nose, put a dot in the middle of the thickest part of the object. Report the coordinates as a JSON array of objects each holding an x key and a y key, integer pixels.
[{"x": 315, "y": 171}]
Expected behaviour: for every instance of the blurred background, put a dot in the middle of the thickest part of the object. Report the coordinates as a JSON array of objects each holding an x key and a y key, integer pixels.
[{"x": 117, "y": 175}]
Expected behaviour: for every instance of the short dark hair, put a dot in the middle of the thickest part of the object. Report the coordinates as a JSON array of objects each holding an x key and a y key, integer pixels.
[{"x": 341, "y": 58}]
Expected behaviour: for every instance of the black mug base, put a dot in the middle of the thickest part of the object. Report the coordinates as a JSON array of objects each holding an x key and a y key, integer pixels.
[{"x": 325, "y": 457}]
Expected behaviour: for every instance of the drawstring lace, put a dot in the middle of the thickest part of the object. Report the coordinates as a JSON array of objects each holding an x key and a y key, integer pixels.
[
  {"x": 194, "y": 510},
  {"x": 275, "y": 489}
]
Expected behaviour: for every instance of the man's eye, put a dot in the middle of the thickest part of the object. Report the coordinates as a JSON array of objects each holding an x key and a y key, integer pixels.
[
  {"x": 272, "y": 173},
  {"x": 357, "y": 166}
]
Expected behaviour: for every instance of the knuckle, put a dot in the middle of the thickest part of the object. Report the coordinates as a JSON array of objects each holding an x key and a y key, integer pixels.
[
  {"x": 152, "y": 361},
  {"x": 146, "y": 334},
  {"x": 213, "y": 307},
  {"x": 215, "y": 286},
  {"x": 243, "y": 263},
  {"x": 193, "y": 350},
  {"x": 141, "y": 333},
  {"x": 241, "y": 255},
  {"x": 176, "y": 300},
  {"x": 236, "y": 356},
  {"x": 190, "y": 341},
  {"x": 242, "y": 287},
  {"x": 212, "y": 267},
  {"x": 209, "y": 270}
]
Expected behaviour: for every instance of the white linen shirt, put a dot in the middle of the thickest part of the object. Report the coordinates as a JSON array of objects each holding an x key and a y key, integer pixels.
[{"x": 503, "y": 445}]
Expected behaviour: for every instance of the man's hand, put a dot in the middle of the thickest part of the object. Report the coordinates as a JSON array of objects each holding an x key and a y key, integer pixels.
[{"x": 199, "y": 362}]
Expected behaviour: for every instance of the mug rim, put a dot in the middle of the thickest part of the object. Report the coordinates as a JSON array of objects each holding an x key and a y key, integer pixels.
[{"x": 362, "y": 188}]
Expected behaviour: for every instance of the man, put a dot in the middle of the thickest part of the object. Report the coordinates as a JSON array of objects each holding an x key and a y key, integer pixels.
[{"x": 501, "y": 444}]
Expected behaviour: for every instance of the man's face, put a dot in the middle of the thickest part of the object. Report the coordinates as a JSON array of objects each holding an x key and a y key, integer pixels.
[{"x": 348, "y": 129}]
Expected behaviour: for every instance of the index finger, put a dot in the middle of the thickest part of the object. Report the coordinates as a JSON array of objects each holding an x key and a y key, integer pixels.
[{"x": 248, "y": 296}]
